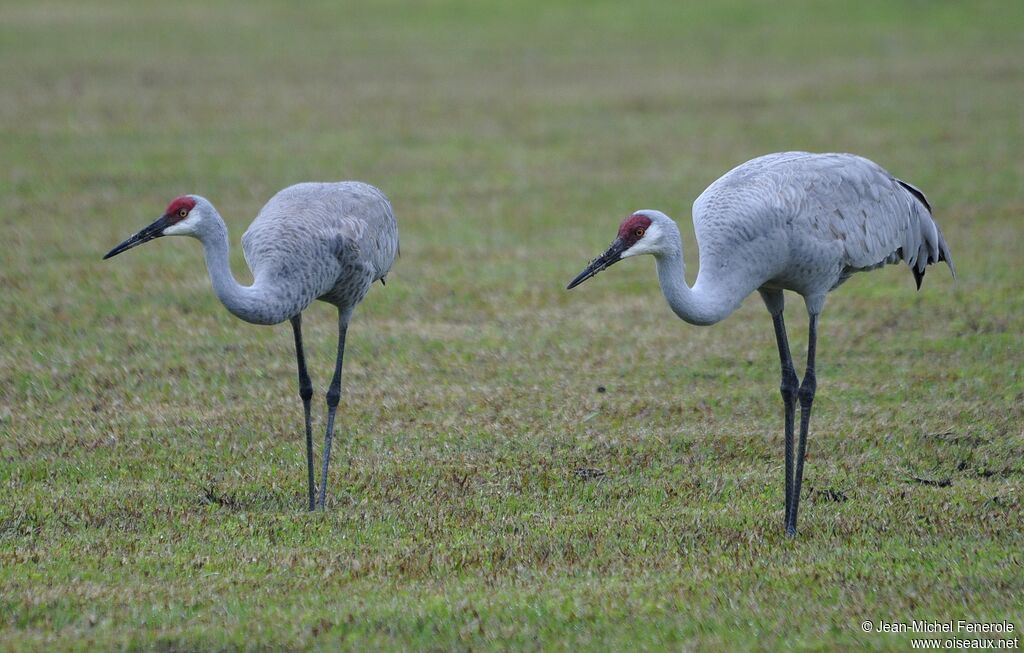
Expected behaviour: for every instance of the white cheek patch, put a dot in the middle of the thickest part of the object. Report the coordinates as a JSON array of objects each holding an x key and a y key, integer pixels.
[
  {"x": 635, "y": 250},
  {"x": 186, "y": 227}
]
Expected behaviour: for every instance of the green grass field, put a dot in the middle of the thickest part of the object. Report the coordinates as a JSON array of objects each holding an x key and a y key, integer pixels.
[{"x": 485, "y": 495}]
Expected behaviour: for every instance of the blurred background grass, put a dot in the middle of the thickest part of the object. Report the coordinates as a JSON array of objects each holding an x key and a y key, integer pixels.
[{"x": 151, "y": 449}]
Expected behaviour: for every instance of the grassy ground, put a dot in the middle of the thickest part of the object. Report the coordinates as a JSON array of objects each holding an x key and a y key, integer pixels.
[{"x": 487, "y": 494}]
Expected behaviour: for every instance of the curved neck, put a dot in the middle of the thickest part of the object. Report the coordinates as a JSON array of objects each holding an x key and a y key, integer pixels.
[
  {"x": 705, "y": 303},
  {"x": 250, "y": 303}
]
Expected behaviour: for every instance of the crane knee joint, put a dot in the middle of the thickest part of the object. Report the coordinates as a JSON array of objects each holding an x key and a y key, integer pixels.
[
  {"x": 790, "y": 385},
  {"x": 333, "y": 397},
  {"x": 306, "y": 392},
  {"x": 806, "y": 392}
]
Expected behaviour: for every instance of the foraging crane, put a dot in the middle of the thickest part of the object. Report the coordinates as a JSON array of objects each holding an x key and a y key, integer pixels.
[
  {"x": 326, "y": 241},
  {"x": 787, "y": 221}
]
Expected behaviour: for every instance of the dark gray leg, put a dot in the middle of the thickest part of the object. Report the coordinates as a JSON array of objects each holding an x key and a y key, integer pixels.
[
  {"x": 306, "y": 392},
  {"x": 333, "y": 397},
  {"x": 788, "y": 387},
  {"x": 806, "y": 396}
]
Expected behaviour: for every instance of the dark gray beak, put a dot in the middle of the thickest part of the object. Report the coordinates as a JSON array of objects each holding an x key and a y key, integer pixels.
[
  {"x": 147, "y": 234},
  {"x": 609, "y": 258}
]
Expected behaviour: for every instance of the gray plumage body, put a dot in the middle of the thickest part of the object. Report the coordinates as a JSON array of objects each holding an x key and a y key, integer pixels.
[
  {"x": 787, "y": 221},
  {"x": 326, "y": 241},
  {"x": 806, "y": 222}
]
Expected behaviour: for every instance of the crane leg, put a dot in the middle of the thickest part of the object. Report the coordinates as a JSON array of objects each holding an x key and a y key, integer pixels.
[
  {"x": 306, "y": 392},
  {"x": 333, "y": 398},
  {"x": 788, "y": 388},
  {"x": 806, "y": 397}
]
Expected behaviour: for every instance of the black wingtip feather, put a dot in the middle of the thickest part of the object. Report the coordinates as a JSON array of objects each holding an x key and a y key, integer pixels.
[
  {"x": 916, "y": 192},
  {"x": 943, "y": 248}
]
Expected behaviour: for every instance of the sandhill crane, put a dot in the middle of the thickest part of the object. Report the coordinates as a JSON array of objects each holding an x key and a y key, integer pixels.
[
  {"x": 326, "y": 241},
  {"x": 787, "y": 221}
]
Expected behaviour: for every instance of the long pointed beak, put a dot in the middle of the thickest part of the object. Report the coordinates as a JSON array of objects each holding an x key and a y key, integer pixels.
[
  {"x": 612, "y": 256},
  {"x": 154, "y": 230}
]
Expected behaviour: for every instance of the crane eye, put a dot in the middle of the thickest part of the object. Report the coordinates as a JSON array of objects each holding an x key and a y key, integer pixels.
[
  {"x": 639, "y": 232},
  {"x": 182, "y": 213}
]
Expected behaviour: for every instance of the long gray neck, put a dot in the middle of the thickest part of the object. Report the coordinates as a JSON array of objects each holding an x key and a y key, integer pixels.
[
  {"x": 256, "y": 303},
  {"x": 705, "y": 303}
]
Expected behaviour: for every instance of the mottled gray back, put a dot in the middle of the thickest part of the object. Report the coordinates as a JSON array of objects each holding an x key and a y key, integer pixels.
[
  {"x": 329, "y": 241},
  {"x": 840, "y": 209}
]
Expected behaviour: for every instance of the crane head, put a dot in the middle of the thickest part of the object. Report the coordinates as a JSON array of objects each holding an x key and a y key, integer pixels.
[
  {"x": 178, "y": 219},
  {"x": 637, "y": 233}
]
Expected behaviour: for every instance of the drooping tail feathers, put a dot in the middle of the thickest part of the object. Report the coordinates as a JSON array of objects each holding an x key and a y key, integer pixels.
[{"x": 930, "y": 247}]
